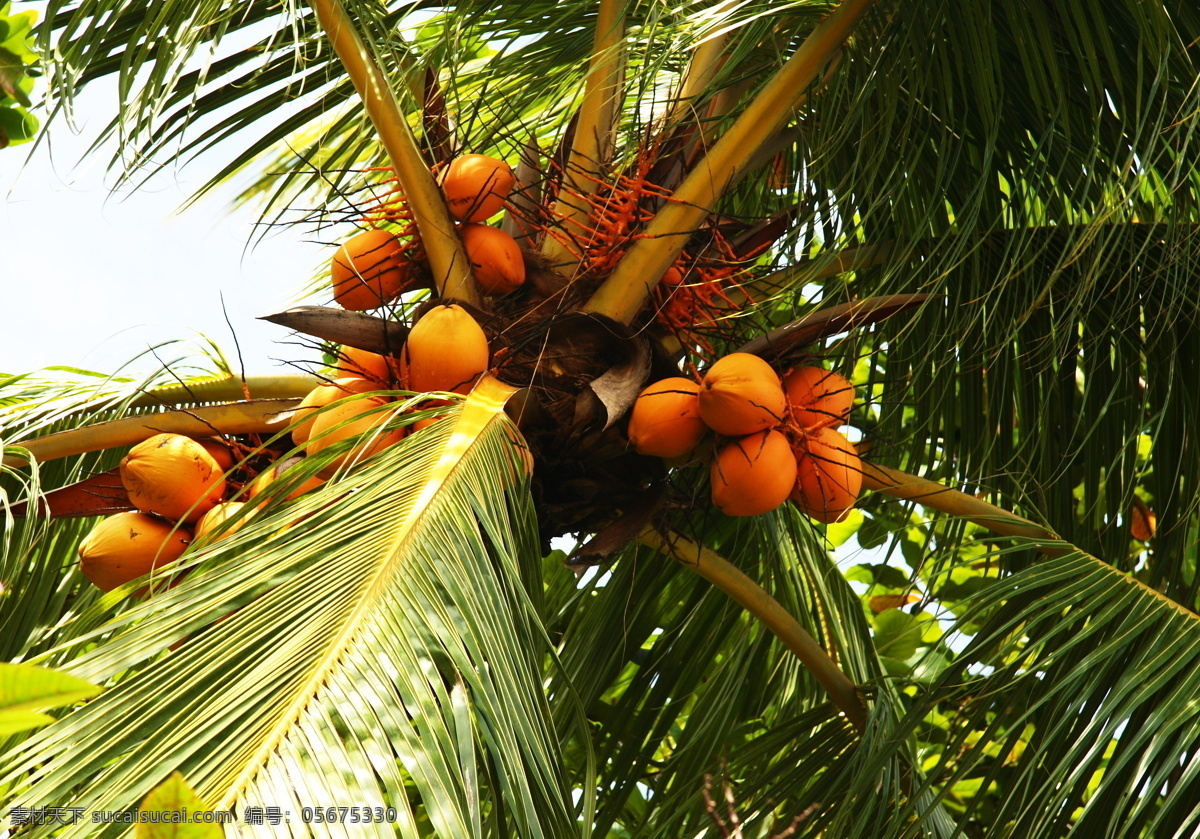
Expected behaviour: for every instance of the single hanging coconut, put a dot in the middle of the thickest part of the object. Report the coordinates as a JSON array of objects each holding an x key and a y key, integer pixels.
[
  {"x": 384, "y": 370},
  {"x": 665, "y": 421},
  {"x": 446, "y": 350},
  {"x": 173, "y": 476},
  {"x": 125, "y": 546},
  {"x": 741, "y": 395},
  {"x": 828, "y": 477},
  {"x": 323, "y": 395},
  {"x": 818, "y": 397},
  {"x": 753, "y": 475},
  {"x": 353, "y": 418},
  {"x": 369, "y": 270},
  {"x": 217, "y": 516},
  {"x": 495, "y": 258},
  {"x": 476, "y": 186}
]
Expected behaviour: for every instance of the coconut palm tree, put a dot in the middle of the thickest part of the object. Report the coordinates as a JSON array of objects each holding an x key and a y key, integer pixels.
[{"x": 983, "y": 214}]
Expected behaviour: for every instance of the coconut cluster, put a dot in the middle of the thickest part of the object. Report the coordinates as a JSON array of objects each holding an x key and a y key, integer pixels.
[
  {"x": 376, "y": 266},
  {"x": 784, "y": 440},
  {"x": 183, "y": 488},
  {"x": 175, "y": 482},
  {"x": 446, "y": 351}
]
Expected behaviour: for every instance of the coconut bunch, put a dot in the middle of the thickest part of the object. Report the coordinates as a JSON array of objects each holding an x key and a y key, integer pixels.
[
  {"x": 181, "y": 487},
  {"x": 374, "y": 267},
  {"x": 779, "y": 435},
  {"x": 445, "y": 351},
  {"x": 175, "y": 482}
]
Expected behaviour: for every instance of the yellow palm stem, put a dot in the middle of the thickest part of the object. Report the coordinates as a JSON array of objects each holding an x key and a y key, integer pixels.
[
  {"x": 230, "y": 389},
  {"x": 625, "y": 291},
  {"x": 701, "y": 70},
  {"x": 931, "y": 494},
  {"x": 447, "y": 259},
  {"x": 262, "y": 416},
  {"x": 595, "y": 129},
  {"x": 766, "y": 609}
]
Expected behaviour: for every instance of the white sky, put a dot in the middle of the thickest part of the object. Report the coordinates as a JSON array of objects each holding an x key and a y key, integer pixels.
[{"x": 90, "y": 279}]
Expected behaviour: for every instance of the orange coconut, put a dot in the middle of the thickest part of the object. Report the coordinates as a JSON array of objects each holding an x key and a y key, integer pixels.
[
  {"x": 741, "y": 395},
  {"x": 829, "y": 477},
  {"x": 753, "y": 475},
  {"x": 446, "y": 350},
  {"x": 353, "y": 418},
  {"x": 217, "y": 516},
  {"x": 220, "y": 452},
  {"x": 672, "y": 276},
  {"x": 495, "y": 257},
  {"x": 476, "y": 186},
  {"x": 665, "y": 421},
  {"x": 356, "y": 363},
  {"x": 276, "y": 471},
  {"x": 818, "y": 397},
  {"x": 368, "y": 270},
  {"x": 173, "y": 476},
  {"x": 322, "y": 395},
  {"x": 125, "y": 546}
]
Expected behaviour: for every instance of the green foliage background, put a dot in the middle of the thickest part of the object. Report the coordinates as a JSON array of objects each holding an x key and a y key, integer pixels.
[{"x": 17, "y": 124}]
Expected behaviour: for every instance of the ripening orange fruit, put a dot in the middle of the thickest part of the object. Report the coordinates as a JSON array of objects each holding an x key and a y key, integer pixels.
[
  {"x": 741, "y": 394},
  {"x": 476, "y": 186},
  {"x": 495, "y": 257},
  {"x": 220, "y": 452},
  {"x": 173, "y": 476},
  {"x": 361, "y": 364},
  {"x": 125, "y": 546},
  {"x": 323, "y": 395},
  {"x": 753, "y": 475},
  {"x": 348, "y": 419},
  {"x": 368, "y": 270},
  {"x": 665, "y": 421},
  {"x": 217, "y": 516},
  {"x": 446, "y": 350},
  {"x": 275, "y": 471},
  {"x": 818, "y": 397},
  {"x": 829, "y": 476}
]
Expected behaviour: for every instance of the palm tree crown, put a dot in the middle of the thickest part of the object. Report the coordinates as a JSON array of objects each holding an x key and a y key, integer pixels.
[{"x": 981, "y": 214}]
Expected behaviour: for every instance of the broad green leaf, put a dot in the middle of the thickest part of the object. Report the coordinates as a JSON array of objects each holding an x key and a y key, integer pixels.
[
  {"x": 840, "y": 532},
  {"x": 167, "y": 813},
  {"x": 897, "y": 634},
  {"x": 12, "y": 71},
  {"x": 25, "y": 688}
]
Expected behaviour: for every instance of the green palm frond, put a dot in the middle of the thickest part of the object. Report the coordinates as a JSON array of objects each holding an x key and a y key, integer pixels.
[
  {"x": 389, "y": 633},
  {"x": 1073, "y": 703}
]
